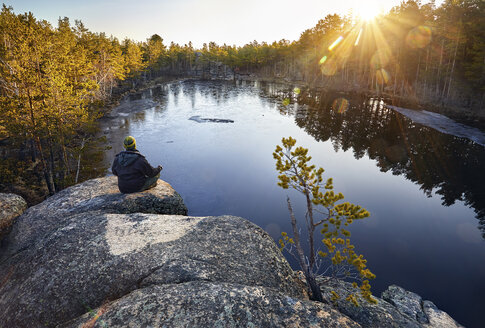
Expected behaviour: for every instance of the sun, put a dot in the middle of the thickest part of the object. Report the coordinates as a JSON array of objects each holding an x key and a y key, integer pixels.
[{"x": 368, "y": 10}]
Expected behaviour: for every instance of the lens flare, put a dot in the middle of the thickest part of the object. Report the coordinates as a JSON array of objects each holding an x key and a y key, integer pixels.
[
  {"x": 323, "y": 60},
  {"x": 329, "y": 68},
  {"x": 336, "y": 42},
  {"x": 380, "y": 59},
  {"x": 382, "y": 76},
  {"x": 340, "y": 105},
  {"x": 358, "y": 38},
  {"x": 419, "y": 37}
]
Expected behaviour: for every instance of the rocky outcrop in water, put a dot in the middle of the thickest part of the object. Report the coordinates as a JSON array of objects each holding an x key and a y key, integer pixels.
[
  {"x": 93, "y": 257},
  {"x": 396, "y": 308},
  {"x": 11, "y": 206}
]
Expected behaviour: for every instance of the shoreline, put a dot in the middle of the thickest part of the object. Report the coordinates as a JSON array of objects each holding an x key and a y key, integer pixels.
[
  {"x": 32, "y": 191},
  {"x": 460, "y": 114}
]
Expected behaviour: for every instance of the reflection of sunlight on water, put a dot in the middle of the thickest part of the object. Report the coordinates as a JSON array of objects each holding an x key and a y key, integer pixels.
[
  {"x": 468, "y": 233},
  {"x": 376, "y": 104}
]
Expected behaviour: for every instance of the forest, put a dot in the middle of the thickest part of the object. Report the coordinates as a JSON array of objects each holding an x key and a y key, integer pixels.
[{"x": 56, "y": 81}]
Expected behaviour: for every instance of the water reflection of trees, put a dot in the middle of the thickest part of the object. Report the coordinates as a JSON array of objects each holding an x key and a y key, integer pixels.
[
  {"x": 450, "y": 165},
  {"x": 222, "y": 92},
  {"x": 219, "y": 91}
]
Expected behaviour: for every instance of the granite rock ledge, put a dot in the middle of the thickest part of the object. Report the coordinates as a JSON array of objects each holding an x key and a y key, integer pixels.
[{"x": 92, "y": 257}]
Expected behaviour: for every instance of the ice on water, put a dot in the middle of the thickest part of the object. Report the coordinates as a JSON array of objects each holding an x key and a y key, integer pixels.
[{"x": 442, "y": 123}]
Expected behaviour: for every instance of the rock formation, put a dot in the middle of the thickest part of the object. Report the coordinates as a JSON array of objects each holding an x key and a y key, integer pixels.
[
  {"x": 396, "y": 308},
  {"x": 101, "y": 195},
  {"x": 92, "y": 257},
  {"x": 11, "y": 206},
  {"x": 90, "y": 247}
]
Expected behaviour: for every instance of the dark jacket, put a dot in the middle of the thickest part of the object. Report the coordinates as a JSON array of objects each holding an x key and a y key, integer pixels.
[{"x": 132, "y": 170}]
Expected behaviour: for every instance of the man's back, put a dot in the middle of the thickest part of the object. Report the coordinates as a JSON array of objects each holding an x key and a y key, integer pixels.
[{"x": 132, "y": 170}]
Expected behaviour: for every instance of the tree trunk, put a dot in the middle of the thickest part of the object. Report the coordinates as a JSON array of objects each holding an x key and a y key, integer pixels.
[
  {"x": 313, "y": 288},
  {"x": 426, "y": 73},
  {"x": 79, "y": 162},
  {"x": 47, "y": 173},
  {"x": 444, "y": 84},
  {"x": 32, "y": 150},
  {"x": 311, "y": 228},
  {"x": 439, "y": 68},
  {"x": 51, "y": 165},
  {"x": 417, "y": 75},
  {"x": 453, "y": 66}
]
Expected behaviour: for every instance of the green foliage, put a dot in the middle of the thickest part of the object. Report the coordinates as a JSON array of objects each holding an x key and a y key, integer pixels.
[
  {"x": 154, "y": 52},
  {"x": 10, "y": 170},
  {"x": 53, "y": 78},
  {"x": 339, "y": 260},
  {"x": 52, "y": 82},
  {"x": 133, "y": 58}
]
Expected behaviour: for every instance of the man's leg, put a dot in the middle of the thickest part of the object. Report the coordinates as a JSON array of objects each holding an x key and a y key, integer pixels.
[{"x": 150, "y": 182}]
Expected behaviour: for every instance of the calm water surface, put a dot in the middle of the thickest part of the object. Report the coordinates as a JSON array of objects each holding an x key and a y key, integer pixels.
[{"x": 425, "y": 190}]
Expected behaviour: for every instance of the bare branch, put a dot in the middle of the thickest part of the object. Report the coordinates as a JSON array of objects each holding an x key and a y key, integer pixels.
[{"x": 321, "y": 221}]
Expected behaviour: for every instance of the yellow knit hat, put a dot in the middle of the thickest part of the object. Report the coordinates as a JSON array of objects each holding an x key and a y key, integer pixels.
[{"x": 129, "y": 143}]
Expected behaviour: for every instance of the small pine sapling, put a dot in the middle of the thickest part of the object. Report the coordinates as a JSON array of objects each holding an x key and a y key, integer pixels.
[{"x": 337, "y": 257}]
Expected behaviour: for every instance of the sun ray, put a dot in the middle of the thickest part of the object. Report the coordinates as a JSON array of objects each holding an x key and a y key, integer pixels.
[{"x": 358, "y": 38}]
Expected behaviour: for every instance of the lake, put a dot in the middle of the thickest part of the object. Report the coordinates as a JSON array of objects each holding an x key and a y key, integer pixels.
[{"x": 425, "y": 189}]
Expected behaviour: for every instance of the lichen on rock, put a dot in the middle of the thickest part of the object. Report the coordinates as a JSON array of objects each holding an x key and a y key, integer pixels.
[
  {"x": 208, "y": 304},
  {"x": 89, "y": 245},
  {"x": 97, "y": 195},
  {"x": 396, "y": 308},
  {"x": 11, "y": 206},
  {"x": 90, "y": 256}
]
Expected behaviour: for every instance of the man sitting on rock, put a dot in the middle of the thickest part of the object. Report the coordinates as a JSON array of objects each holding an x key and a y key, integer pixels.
[{"x": 133, "y": 170}]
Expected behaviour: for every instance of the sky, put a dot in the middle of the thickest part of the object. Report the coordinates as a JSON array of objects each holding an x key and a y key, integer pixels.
[{"x": 234, "y": 22}]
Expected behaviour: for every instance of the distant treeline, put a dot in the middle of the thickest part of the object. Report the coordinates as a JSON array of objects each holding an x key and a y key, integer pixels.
[
  {"x": 54, "y": 80},
  {"x": 433, "y": 55},
  {"x": 420, "y": 51}
]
